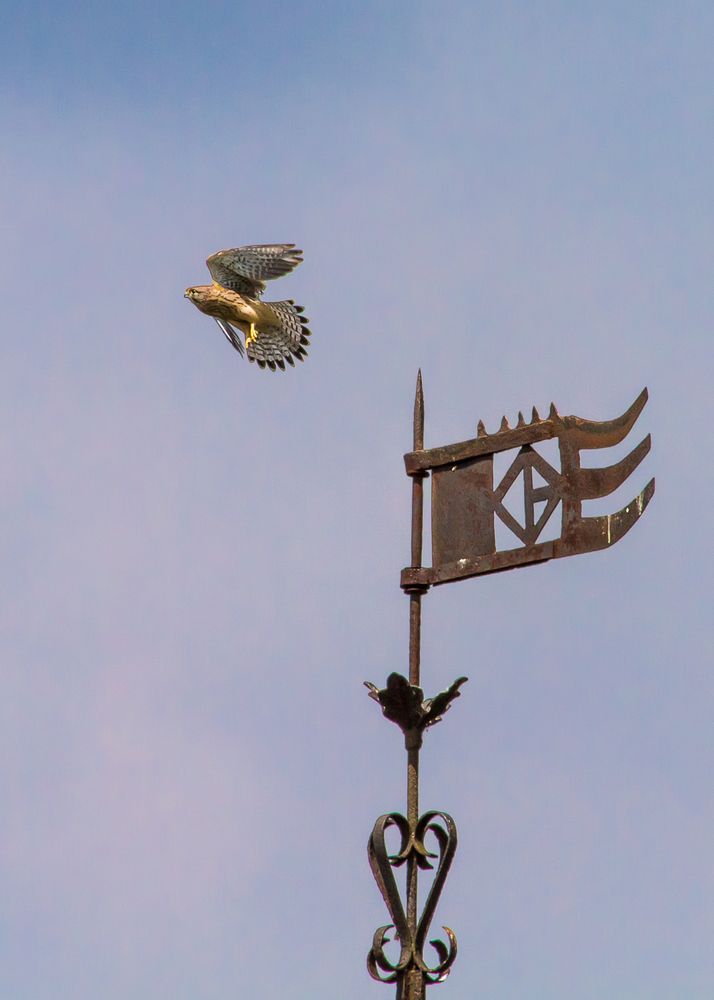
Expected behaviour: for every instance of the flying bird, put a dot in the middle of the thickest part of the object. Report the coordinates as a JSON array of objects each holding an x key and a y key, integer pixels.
[{"x": 274, "y": 332}]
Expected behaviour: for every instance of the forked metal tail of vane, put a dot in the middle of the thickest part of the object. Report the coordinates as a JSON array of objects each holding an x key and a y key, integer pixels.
[{"x": 465, "y": 501}]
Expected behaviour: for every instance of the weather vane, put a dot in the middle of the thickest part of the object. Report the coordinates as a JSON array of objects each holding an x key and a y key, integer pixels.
[{"x": 465, "y": 502}]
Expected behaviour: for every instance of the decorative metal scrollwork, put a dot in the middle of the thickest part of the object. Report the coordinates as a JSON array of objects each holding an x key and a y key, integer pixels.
[{"x": 411, "y": 940}]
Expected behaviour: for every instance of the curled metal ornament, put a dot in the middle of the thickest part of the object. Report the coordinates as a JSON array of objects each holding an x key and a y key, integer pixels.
[
  {"x": 412, "y": 944},
  {"x": 446, "y": 839},
  {"x": 381, "y": 862}
]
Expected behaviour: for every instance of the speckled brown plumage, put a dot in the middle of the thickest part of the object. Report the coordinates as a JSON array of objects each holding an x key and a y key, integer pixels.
[{"x": 275, "y": 333}]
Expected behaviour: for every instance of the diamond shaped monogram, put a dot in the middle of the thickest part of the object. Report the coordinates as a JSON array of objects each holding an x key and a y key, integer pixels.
[{"x": 522, "y": 467}]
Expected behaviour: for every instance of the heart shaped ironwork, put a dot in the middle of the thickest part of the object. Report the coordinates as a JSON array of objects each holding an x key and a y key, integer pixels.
[{"x": 442, "y": 826}]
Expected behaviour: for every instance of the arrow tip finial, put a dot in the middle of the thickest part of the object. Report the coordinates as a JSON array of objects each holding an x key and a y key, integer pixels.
[{"x": 419, "y": 414}]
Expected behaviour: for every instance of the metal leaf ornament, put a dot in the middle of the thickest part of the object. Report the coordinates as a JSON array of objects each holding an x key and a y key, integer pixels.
[{"x": 403, "y": 703}]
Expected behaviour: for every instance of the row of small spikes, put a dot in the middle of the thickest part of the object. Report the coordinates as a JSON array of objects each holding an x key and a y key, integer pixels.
[{"x": 505, "y": 426}]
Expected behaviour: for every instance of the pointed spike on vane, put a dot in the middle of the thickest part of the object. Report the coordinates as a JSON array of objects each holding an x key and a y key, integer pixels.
[
  {"x": 521, "y": 419},
  {"x": 504, "y": 424},
  {"x": 536, "y": 416},
  {"x": 419, "y": 414},
  {"x": 481, "y": 429},
  {"x": 553, "y": 412}
]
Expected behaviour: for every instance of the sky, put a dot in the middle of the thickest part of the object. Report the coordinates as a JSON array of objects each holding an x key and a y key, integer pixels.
[{"x": 199, "y": 561}]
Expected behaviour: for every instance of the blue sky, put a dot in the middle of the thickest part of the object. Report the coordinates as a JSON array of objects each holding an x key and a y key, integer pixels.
[{"x": 199, "y": 561}]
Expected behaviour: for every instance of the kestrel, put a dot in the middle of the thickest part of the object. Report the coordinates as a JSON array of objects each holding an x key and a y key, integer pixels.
[{"x": 275, "y": 332}]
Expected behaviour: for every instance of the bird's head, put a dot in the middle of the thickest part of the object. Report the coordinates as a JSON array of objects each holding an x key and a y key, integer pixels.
[{"x": 200, "y": 296}]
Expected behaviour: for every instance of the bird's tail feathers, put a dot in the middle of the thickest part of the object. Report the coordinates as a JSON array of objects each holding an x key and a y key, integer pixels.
[{"x": 283, "y": 342}]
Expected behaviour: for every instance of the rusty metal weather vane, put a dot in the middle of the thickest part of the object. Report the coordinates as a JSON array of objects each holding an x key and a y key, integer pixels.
[{"x": 465, "y": 503}]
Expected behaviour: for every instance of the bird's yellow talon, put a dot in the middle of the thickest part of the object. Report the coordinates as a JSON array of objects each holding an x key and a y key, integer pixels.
[{"x": 252, "y": 335}]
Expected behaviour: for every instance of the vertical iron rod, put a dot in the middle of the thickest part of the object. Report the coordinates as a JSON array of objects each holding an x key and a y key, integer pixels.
[
  {"x": 413, "y": 987},
  {"x": 417, "y": 533}
]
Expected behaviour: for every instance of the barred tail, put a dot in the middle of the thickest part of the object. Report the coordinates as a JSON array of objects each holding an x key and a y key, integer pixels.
[{"x": 282, "y": 342}]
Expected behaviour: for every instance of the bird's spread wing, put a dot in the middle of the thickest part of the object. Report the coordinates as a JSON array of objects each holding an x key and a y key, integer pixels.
[
  {"x": 230, "y": 334},
  {"x": 285, "y": 341},
  {"x": 246, "y": 269}
]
